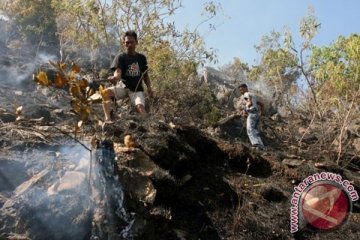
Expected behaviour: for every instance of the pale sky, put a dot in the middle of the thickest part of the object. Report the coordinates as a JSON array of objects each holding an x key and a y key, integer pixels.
[{"x": 246, "y": 21}]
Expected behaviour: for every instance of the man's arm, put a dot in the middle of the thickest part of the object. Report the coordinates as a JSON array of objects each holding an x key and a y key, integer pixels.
[
  {"x": 116, "y": 76},
  {"x": 250, "y": 105}
]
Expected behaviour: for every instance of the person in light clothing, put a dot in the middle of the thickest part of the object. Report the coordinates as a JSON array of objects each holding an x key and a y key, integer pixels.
[{"x": 253, "y": 120}]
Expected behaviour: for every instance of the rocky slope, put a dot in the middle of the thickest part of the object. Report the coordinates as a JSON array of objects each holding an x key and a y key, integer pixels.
[{"x": 175, "y": 181}]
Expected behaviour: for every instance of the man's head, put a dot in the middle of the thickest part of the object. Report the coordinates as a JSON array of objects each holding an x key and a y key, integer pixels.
[
  {"x": 243, "y": 88},
  {"x": 130, "y": 41}
]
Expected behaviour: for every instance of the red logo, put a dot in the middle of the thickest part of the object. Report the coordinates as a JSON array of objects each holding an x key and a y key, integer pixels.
[
  {"x": 133, "y": 70},
  {"x": 325, "y": 206},
  {"x": 134, "y": 67}
]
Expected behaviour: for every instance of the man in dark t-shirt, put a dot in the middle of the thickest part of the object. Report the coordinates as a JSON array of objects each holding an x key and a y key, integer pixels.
[{"x": 130, "y": 69}]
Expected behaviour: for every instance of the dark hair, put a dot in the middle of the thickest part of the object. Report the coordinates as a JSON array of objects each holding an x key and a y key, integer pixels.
[
  {"x": 243, "y": 85},
  {"x": 131, "y": 33}
]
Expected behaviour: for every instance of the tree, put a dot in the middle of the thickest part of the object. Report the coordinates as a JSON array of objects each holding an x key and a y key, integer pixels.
[
  {"x": 336, "y": 69},
  {"x": 283, "y": 65},
  {"x": 96, "y": 27},
  {"x": 89, "y": 33},
  {"x": 278, "y": 68},
  {"x": 331, "y": 73},
  {"x": 36, "y": 23},
  {"x": 236, "y": 70}
]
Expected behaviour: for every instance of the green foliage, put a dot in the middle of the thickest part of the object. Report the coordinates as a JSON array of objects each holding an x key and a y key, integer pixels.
[
  {"x": 278, "y": 66},
  {"x": 283, "y": 65},
  {"x": 93, "y": 29},
  {"x": 84, "y": 24},
  {"x": 97, "y": 26},
  {"x": 336, "y": 68},
  {"x": 213, "y": 115},
  {"x": 331, "y": 73},
  {"x": 236, "y": 70},
  {"x": 309, "y": 27},
  {"x": 196, "y": 102},
  {"x": 35, "y": 21}
]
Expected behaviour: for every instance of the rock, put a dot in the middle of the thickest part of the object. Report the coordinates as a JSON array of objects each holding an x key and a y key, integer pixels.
[
  {"x": 140, "y": 162},
  {"x": 33, "y": 213},
  {"x": 219, "y": 83},
  {"x": 138, "y": 186},
  {"x": 292, "y": 162},
  {"x": 320, "y": 165},
  {"x": 185, "y": 179},
  {"x": 310, "y": 139},
  {"x": 231, "y": 127},
  {"x": 70, "y": 181}
]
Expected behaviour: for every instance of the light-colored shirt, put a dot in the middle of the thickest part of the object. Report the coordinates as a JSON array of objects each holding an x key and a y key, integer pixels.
[{"x": 253, "y": 108}]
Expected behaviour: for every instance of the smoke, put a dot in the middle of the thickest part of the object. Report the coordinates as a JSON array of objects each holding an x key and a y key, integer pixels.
[
  {"x": 19, "y": 59},
  {"x": 262, "y": 88},
  {"x": 40, "y": 214},
  {"x": 3, "y": 17},
  {"x": 57, "y": 200},
  {"x": 16, "y": 71}
]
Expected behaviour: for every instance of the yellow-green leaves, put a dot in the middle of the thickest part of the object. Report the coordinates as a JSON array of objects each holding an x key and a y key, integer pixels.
[
  {"x": 336, "y": 67},
  {"x": 68, "y": 77},
  {"x": 41, "y": 78}
]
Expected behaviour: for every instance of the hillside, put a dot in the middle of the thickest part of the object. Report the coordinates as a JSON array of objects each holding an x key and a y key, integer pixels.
[{"x": 178, "y": 181}]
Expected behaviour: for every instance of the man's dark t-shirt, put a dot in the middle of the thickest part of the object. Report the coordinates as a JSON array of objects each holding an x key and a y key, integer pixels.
[{"x": 132, "y": 68}]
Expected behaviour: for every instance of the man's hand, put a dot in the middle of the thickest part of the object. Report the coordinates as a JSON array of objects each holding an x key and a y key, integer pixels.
[
  {"x": 248, "y": 104},
  {"x": 113, "y": 79},
  {"x": 116, "y": 77},
  {"x": 243, "y": 113}
]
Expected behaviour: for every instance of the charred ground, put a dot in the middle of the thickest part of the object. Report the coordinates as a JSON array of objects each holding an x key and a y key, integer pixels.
[{"x": 181, "y": 182}]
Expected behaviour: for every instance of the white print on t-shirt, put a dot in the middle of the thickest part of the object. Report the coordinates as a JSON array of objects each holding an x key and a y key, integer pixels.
[{"x": 133, "y": 70}]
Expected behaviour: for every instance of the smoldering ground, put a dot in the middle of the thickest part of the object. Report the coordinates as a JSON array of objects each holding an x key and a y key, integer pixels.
[{"x": 58, "y": 197}]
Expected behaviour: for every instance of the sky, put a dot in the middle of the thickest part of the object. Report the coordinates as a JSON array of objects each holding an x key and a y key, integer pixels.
[{"x": 241, "y": 23}]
